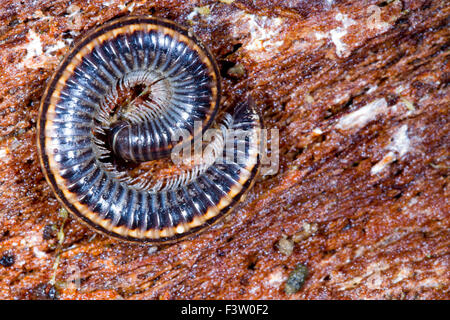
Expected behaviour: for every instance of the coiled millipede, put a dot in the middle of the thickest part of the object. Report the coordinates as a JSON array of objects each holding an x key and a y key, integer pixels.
[{"x": 118, "y": 96}]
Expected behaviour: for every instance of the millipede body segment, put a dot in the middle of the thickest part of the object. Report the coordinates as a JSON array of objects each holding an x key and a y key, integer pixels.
[{"x": 123, "y": 92}]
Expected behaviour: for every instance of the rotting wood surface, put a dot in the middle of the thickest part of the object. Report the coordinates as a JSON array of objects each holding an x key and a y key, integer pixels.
[{"x": 359, "y": 93}]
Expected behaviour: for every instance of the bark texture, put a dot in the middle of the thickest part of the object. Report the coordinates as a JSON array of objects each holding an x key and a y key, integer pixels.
[{"x": 359, "y": 93}]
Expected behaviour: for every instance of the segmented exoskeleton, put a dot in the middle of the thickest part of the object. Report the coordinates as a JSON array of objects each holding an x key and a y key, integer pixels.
[{"x": 124, "y": 91}]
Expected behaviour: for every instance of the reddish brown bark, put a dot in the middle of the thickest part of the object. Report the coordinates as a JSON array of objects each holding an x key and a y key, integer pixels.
[{"x": 359, "y": 93}]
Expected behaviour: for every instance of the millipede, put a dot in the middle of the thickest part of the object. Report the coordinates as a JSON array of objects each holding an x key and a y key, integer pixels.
[{"x": 118, "y": 98}]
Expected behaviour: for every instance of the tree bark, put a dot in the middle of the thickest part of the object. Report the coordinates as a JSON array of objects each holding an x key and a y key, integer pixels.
[{"x": 358, "y": 91}]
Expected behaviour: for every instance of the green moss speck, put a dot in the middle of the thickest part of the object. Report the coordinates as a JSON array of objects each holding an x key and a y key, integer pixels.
[{"x": 296, "y": 279}]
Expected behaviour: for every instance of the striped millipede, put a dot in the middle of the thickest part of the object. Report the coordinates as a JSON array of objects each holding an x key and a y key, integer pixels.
[{"x": 120, "y": 93}]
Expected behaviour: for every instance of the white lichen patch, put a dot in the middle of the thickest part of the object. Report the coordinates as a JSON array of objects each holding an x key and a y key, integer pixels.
[
  {"x": 403, "y": 274},
  {"x": 399, "y": 146},
  {"x": 431, "y": 283},
  {"x": 36, "y": 56},
  {"x": 401, "y": 89},
  {"x": 400, "y": 142},
  {"x": 317, "y": 131},
  {"x": 191, "y": 15},
  {"x": 204, "y": 12},
  {"x": 352, "y": 283},
  {"x": 38, "y": 14},
  {"x": 372, "y": 89},
  {"x": 32, "y": 242},
  {"x": 412, "y": 202},
  {"x": 359, "y": 118},
  {"x": 375, "y": 281},
  {"x": 38, "y": 253},
  {"x": 380, "y": 165},
  {"x": 3, "y": 153},
  {"x": 341, "y": 98},
  {"x": 321, "y": 35},
  {"x": 52, "y": 49},
  {"x": 276, "y": 278},
  {"x": 152, "y": 249},
  {"x": 372, "y": 277},
  {"x": 33, "y": 48},
  {"x": 345, "y": 20},
  {"x": 262, "y": 32},
  {"x": 337, "y": 34},
  {"x": 108, "y": 3},
  {"x": 73, "y": 10},
  {"x": 336, "y": 37},
  {"x": 130, "y": 6}
]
